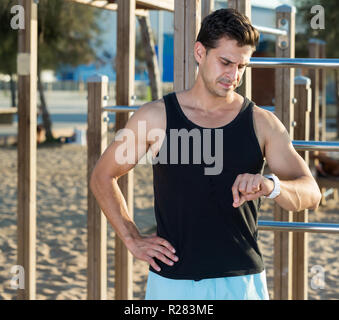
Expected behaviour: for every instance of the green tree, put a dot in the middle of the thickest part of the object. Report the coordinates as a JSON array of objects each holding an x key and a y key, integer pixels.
[
  {"x": 8, "y": 45},
  {"x": 67, "y": 34}
]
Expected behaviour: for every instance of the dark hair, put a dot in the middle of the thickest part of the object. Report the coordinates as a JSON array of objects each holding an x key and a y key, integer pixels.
[{"x": 228, "y": 23}]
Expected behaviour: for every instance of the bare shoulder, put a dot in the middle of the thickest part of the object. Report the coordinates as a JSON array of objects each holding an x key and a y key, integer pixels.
[
  {"x": 267, "y": 123},
  {"x": 153, "y": 113}
]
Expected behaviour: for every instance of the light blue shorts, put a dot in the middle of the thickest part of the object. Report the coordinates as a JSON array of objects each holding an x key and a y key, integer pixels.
[{"x": 247, "y": 287}]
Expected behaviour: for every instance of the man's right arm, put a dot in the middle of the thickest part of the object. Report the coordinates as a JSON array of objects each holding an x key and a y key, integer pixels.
[{"x": 104, "y": 185}]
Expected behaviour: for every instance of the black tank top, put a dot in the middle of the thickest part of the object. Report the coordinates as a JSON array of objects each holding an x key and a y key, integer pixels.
[{"x": 194, "y": 211}]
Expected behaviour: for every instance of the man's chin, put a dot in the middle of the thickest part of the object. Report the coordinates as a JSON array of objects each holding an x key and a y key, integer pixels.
[{"x": 225, "y": 92}]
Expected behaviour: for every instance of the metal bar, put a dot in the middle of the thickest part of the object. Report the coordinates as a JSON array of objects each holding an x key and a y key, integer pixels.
[
  {"x": 268, "y": 108},
  {"x": 298, "y": 226},
  {"x": 328, "y": 192},
  {"x": 316, "y": 145},
  {"x": 121, "y": 108},
  {"x": 134, "y": 108},
  {"x": 293, "y": 63},
  {"x": 273, "y": 31}
]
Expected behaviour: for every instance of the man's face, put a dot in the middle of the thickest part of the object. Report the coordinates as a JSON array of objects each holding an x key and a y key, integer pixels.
[{"x": 222, "y": 67}]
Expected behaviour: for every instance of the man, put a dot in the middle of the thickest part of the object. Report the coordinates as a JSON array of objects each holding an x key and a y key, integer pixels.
[{"x": 206, "y": 241}]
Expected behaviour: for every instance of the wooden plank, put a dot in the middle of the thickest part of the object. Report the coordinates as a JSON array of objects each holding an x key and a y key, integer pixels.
[
  {"x": 179, "y": 45},
  {"x": 284, "y": 92},
  {"x": 96, "y": 220},
  {"x": 244, "y": 7},
  {"x": 207, "y": 6},
  {"x": 106, "y": 5},
  {"x": 124, "y": 93},
  {"x": 313, "y": 47},
  {"x": 300, "y": 239},
  {"x": 167, "y": 5},
  {"x": 12, "y": 110},
  {"x": 314, "y": 74},
  {"x": 322, "y": 107},
  {"x": 322, "y": 88},
  {"x": 98, "y": 4},
  {"x": 192, "y": 25},
  {"x": 27, "y": 141},
  {"x": 151, "y": 57},
  {"x": 187, "y": 19}
]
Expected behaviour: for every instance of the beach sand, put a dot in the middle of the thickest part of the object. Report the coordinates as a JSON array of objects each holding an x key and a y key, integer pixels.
[{"x": 62, "y": 231}]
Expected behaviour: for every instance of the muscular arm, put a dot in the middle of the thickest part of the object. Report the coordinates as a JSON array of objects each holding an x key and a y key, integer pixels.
[
  {"x": 110, "y": 167},
  {"x": 120, "y": 157},
  {"x": 298, "y": 189}
]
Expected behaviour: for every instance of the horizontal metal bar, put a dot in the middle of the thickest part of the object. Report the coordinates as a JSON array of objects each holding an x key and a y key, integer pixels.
[
  {"x": 134, "y": 108},
  {"x": 293, "y": 63},
  {"x": 328, "y": 192},
  {"x": 268, "y": 108},
  {"x": 273, "y": 31},
  {"x": 298, "y": 226},
  {"x": 121, "y": 108},
  {"x": 316, "y": 145}
]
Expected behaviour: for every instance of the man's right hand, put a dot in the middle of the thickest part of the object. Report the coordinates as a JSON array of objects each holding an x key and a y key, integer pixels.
[{"x": 147, "y": 247}]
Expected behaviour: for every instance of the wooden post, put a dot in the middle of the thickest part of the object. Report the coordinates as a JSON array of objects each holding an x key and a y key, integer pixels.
[
  {"x": 207, "y": 6},
  {"x": 314, "y": 74},
  {"x": 96, "y": 220},
  {"x": 313, "y": 47},
  {"x": 124, "y": 93},
  {"x": 302, "y": 111},
  {"x": 187, "y": 17},
  {"x": 322, "y": 76},
  {"x": 284, "y": 94},
  {"x": 27, "y": 148},
  {"x": 151, "y": 57},
  {"x": 244, "y": 7}
]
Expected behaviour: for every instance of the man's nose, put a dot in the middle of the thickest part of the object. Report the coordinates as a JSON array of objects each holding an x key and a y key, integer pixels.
[{"x": 233, "y": 73}]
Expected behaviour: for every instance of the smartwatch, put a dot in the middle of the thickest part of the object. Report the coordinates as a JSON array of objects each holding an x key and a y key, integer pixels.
[{"x": 276, "y": 189}]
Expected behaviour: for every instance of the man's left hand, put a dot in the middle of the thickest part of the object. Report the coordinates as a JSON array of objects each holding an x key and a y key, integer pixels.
[{"x": 249, "y": 187}]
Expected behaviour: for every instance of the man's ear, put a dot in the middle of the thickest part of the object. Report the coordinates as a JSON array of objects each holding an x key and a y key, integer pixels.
[{"x": 199, "y": 52}]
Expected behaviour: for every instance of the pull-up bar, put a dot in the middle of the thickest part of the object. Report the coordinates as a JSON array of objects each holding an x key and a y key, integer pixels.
[
  {"x": 273, "y": 31},
  {"x": 316, "y": 145},
  {"x": 298, "y": 226},
  {"x": 135, "y": 108},
  {"x": 293, "y": 63}
]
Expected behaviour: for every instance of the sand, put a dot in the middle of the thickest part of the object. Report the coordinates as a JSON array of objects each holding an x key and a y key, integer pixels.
[{"x": 62, "y": 232}]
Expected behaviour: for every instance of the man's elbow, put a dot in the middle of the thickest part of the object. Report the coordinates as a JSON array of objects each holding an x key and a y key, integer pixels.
[
  {"x": 93, "y": 181},
  {"x": 96, "y": 180},
  {"x": 316, "y": 199}
]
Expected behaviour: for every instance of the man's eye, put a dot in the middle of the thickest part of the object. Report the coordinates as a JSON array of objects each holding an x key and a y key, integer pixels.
[{"x": 225, "y": 64}]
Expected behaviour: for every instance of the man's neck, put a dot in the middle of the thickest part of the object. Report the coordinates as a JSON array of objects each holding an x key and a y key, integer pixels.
[{"x": 201, "y": 98}]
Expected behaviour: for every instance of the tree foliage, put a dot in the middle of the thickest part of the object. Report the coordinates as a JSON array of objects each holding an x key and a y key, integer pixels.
[
  {"x": 8, "y": 39},
  {"x": 67, "y": 33},
  {"x": 329, "y": 34}
]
